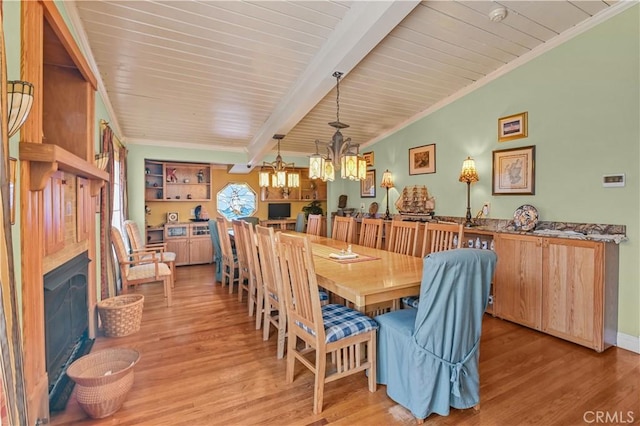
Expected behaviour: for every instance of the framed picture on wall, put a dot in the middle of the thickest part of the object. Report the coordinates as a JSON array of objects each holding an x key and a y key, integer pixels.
[
  {"x": 368, "y": 157},
  {"x": 368, "y": 186},
  {"x": 422, "y": 159},
  {"x": 512, "y": 127},
  {"x": 514, "y": 171}
]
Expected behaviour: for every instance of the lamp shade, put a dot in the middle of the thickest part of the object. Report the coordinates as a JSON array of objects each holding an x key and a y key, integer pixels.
[
  {"x": 469, "y": 174},
  {"x": 349, "y": 164},
  {"x": 362, "y": 168},
  {"x": 387, "y": 180},
  {"x": 329, "y": 173},
  {"x": 293, "y": 180},
  {"x": 316, "y": 166},
  {"x": 264, "y": 178},
  {"x": 19, "y": 99}
]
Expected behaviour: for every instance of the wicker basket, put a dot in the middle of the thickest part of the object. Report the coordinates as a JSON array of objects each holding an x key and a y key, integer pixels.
[
  {"x": 103, "y": 379},
  {"x": 121, "y": 315}
]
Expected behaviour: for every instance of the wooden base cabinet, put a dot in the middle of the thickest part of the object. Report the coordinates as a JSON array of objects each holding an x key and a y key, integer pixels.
[
  {"x": 563, "y": 287},
  {"x": 190, "y": 242}
]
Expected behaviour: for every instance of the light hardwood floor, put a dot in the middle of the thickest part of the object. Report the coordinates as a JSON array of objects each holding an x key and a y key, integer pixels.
[{"x": 203, "y": 363}]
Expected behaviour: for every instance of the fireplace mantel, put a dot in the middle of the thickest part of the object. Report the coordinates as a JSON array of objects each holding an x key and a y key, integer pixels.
[{"x": 48, "y": 158}]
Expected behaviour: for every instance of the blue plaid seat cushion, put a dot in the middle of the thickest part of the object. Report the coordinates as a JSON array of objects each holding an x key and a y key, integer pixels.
[
  {"x": 324, "y": 297},
  {"x": 411, "y": 301},
  {"x": 340, "y": 322}
]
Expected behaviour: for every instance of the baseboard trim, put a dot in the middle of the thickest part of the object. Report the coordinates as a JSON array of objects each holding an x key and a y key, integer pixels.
[{"x": 628, "y": 342}]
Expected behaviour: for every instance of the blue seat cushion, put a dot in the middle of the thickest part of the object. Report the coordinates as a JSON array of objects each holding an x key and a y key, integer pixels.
[
  {"x": 411, "y": 301},
  {"x": 340, "y": 322},
  {"x": 324, "y": 296}
]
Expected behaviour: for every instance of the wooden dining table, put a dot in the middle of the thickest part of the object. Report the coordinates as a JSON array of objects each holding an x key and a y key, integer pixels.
[{"x": 376, "y": 277}]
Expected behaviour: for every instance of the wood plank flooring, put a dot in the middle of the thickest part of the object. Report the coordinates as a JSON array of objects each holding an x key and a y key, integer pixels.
[{"x": 203, "y": 363}]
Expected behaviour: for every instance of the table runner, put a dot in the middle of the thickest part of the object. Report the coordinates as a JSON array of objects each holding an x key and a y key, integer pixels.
[{"x": 324, "y": 252}]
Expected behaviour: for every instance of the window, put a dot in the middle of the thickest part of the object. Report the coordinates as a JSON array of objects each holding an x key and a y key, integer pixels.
[
  {"x": 117, "y": 220},
  {"x": 237, "y": 200}
]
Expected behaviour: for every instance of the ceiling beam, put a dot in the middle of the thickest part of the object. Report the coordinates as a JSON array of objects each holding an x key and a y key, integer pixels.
[{"x": 365, "y": 25}]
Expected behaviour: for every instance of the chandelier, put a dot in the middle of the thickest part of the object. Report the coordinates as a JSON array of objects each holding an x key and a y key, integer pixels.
[
  {"x": 341, "y": 153},
  {"x": 276, "y": 173}
]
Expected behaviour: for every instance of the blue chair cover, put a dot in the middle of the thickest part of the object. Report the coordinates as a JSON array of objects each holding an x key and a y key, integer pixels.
[
  {"x": 428, "y": 357},
  {"x": 217, "y": 255},
  {"x": 300, "y": 222}
]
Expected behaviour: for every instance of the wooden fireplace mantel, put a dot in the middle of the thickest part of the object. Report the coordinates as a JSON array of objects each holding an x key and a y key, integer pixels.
[{"x": 48, "y": 158}]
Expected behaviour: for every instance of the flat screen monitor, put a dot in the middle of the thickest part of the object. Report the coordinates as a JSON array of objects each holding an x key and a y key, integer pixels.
[{"x": 279, "y": 211}]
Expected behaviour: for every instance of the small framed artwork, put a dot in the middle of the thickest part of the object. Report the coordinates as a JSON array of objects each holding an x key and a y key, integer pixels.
[
  {"x": 368, "y": 186},
  {"x": 422, "y": 159},
  {"x": 514, "y": 171},
  {"x": 172, "y": 217},
  {"x": 512, "y": 127},
  {"x": 368, "y": 157}
]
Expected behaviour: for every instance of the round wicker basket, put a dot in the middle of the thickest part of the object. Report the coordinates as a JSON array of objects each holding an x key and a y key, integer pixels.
[
  {"x": 103, "y": 379},
  {"x": 121, "y": 315}
]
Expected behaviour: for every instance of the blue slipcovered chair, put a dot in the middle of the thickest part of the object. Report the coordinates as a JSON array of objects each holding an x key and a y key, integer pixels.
[
  {"x": 300, "y": 222},
  {"x": 428, "y": 357},
  {"x": 217, "y": 251}
]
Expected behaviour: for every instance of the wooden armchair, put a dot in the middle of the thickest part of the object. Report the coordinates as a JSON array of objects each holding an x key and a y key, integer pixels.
[
  {"x": 229, "y": 260},
  {"x": 140, "y": 267},
  {"x": 159, "y": 250}
]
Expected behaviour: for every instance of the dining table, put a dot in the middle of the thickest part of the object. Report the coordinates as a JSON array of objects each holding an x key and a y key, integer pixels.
[{"x": 373, "y": 278}]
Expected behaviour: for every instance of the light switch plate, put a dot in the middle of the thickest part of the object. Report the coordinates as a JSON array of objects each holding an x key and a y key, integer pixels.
[{"x": 613, "y": 180}]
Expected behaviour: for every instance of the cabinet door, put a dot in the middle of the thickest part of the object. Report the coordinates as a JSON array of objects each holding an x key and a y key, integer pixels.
[
  {"x": 179, "y": 246},
  {"x": 54, "y": 213},
  {"x": 200, "y": 250},
  {"x": 573, "y": 290},
  {"x": 518, "y": 280}
]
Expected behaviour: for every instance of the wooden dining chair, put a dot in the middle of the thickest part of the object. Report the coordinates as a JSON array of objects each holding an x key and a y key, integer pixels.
[
  {"x": 314, "y": 224},
  {"x": 141, "y": 267},
  {"x": 256, "y": 286},
  {"x": 371, "y": 233},
  {"x": 348, "y": 336},
  {"x": 242, "y": 256},
  {"x": 403, "y": 237},
  {"x": 230, "y": 273},
  {"x": 159, "y": 249},
  {"x": 438, "y": 236},
  {"x": 274, "y": 308},
  {"x": 342, "y": 229}
]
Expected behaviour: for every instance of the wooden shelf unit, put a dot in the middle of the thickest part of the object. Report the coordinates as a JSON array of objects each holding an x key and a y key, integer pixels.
[
  {"x": 172, "y": 181},
  {"x": 190, "y": 242}
]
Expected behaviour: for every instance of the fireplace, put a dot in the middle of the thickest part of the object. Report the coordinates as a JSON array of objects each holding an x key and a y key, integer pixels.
[{"x": 66, "y": 324}]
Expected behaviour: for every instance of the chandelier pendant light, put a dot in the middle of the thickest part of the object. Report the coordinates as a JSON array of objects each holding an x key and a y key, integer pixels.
[
  {"x": 276, "y": 173},
  {"x": 19, "y": 99},
  {"x": 342, "y": 154}
]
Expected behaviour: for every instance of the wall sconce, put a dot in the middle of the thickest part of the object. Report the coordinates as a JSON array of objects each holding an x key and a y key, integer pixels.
[
  {"x": 13, "y": 163},
  {"x": 20, "y": 99},
  {"x": 387, "y": 182},
  {"x": 468, "y": 174}
]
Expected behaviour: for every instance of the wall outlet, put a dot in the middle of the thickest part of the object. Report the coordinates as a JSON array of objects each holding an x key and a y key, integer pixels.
[{"x": 486, "y": 209}]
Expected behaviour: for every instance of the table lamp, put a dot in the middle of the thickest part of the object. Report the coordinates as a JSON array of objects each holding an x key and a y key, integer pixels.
[
  {"x": 468, "y": 175},
  {"x": 387, "y": 182}
]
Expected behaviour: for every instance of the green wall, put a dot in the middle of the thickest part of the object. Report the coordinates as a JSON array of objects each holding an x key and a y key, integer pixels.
[{"x": 583, "y": 103}]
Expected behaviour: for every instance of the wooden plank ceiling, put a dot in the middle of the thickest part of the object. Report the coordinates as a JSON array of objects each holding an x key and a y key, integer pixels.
[{"x": 227, "y": 75}]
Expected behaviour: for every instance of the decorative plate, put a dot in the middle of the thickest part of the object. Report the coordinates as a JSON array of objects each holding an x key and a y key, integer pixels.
[{"x": 525, "y": 217}]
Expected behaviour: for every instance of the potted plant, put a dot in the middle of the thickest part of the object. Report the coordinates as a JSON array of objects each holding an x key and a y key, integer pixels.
[{"x": 313, "y": 207}]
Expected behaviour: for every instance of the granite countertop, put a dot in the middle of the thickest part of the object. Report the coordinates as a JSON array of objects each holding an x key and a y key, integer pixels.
[{"x": 576, "y": 231}]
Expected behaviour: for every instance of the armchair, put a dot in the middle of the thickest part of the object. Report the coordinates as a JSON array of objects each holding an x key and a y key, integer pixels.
[{"x": 428, "y": 357}]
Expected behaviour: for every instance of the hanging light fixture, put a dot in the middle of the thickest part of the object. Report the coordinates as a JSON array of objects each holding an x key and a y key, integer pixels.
[
  {"x": 20, "y": 99},
  {"x": 341, "y": 153},
  {"x": 276, "y": 174}
]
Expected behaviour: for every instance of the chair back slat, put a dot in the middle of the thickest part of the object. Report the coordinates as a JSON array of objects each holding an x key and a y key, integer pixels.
[
  {"x": 270, "y": 266},
  {"x": 403, "y": 237},
  {"x": 135, "y": 236},
  {"x": 314, "y": 224},
  {"x": 241, "y": 247},
  {"x": 371, "y": 233},
  {"x": 342, "y": 229},
  {"x": 225, "y": 240},
  {"x": 441, "y": 237},
  {"x": 300, "y": 286}
]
